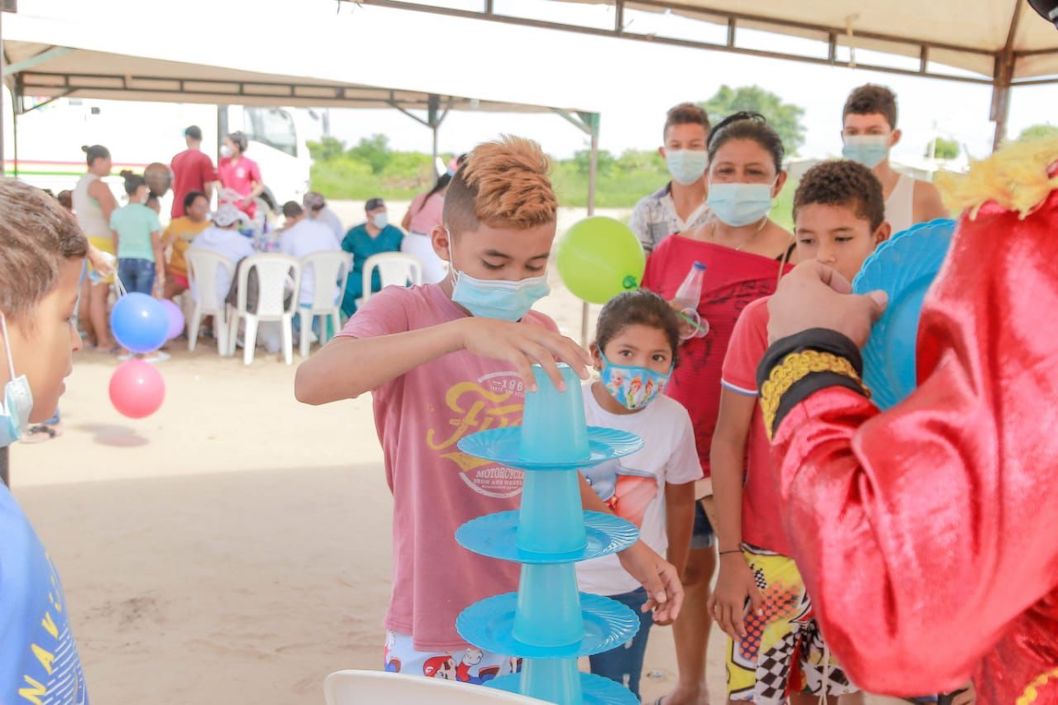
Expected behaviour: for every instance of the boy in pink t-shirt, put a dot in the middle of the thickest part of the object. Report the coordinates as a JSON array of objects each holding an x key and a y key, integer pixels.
[{"x": 447, "y": 360}]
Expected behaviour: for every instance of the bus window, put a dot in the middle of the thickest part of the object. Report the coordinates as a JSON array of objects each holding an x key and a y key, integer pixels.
[{"x": 274, "y": 127}]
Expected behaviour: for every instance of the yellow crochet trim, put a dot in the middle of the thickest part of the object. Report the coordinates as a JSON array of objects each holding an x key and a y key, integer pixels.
[
  {"x": 793, "y": 368},
  {"x": 1030, "y": 694},
  {"x": 1015, "y": 177}
]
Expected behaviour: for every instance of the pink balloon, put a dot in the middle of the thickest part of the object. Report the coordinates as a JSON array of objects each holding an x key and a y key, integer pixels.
[{"x": 136, "y": 389}]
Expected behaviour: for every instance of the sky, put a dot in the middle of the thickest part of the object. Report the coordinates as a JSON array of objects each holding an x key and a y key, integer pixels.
[
  {"x": 635, "y": 83},
  {"x": 631, "y": 83}
]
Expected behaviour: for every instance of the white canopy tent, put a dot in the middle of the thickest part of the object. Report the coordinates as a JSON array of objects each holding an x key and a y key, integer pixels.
[
  {"x": 310, "y": 57},
  {"x": 306, "y": 55},
  {"x": 1002, "y": 43},
  {"x": 58, "y": 48}
]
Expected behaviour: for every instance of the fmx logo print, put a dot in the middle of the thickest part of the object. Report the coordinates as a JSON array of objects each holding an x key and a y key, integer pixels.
[{"x": 493, "y": 401}]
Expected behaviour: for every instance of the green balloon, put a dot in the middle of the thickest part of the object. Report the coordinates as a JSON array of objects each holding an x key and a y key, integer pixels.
[{"x": 598, "y": 258}]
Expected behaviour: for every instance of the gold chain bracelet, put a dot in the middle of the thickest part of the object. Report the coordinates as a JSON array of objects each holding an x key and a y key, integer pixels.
[{"x": 793, "y": 368}]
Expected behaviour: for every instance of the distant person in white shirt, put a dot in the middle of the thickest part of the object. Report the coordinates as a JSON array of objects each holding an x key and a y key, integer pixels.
[
  {"x": 680, "y": 205},
  {"x": 224, "y": 238},
  {"x": 869, "y": 132},
  {"x": 318, "y": 210},
  {"x": 302, "y": 236}
]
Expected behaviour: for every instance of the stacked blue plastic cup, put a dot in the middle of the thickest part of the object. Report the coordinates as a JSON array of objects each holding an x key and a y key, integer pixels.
[{"x": 548, "y": 622}]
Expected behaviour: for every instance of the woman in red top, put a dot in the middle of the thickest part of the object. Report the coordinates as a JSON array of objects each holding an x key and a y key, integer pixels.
[
  {"x": 239, "y": 176},
  {"x": 744, "y": 253}
]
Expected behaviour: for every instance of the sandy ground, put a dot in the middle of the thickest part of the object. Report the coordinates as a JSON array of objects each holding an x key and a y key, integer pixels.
[{"x": 234, "y": 547}]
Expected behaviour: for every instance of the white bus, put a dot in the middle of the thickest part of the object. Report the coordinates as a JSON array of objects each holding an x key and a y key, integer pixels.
[{"x": 50, "y": 137}]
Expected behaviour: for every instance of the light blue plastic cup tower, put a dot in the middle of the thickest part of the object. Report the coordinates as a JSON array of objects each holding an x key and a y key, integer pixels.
[{"x": 548, "y": 622}]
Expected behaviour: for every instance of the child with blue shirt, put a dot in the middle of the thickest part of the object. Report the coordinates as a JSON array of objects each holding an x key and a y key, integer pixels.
[
  {"x": 42, "y": 250},
  {"x": 138, "y": 237}
]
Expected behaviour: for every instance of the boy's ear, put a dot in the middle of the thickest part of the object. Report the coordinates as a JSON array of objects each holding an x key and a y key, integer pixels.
[
  {"x": 882, "y": 233},
  {"x": 661, "y": 151},
  {"x": 439, "y": 238},
  {"x": 897, "y": 134}
]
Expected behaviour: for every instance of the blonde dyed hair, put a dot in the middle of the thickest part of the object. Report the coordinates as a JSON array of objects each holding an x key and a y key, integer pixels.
[
  {"x": 1015, "y": 177},
  {"x": 501, "y": 184}
]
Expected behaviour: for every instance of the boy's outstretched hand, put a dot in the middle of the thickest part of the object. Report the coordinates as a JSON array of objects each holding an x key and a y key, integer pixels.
[
  {"x": 658, "y": 577},
  {"x": 734, "y": 587},
  {"x": 523, "y": 346}
]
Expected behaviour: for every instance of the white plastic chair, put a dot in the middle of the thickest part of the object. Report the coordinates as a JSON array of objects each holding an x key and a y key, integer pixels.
[
  {"x": 329, "y": 270},
  {"x": 274, "y": 274},
  {"x": 202, "y": 269},
  {"x": 373, "y": 687},
  {"x": 394, "y": 269}
]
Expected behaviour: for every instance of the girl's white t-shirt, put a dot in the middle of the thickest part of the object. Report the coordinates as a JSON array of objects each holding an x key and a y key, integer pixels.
[{"x": 634, "y": 486}]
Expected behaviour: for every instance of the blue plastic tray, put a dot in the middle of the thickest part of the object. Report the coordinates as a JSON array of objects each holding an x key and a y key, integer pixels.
[
  {"x": 597, "y": 690},
  {"x": 503, "y": 446},
  {"x": 904, "y": 267},
  {"x": 488, "y": 625},
  {"x": 496, "y": 536}
]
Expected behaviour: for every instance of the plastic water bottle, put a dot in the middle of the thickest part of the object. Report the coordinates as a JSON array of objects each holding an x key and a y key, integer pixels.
[
  {"x": 686, "y": 301},
  {"x": 690, "y": 291}
]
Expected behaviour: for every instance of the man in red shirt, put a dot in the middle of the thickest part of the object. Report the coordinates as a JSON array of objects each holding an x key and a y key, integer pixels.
[{"x": 192, "y": 171}]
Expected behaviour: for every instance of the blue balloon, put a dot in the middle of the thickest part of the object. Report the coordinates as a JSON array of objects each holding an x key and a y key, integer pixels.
[{"x": 139, "y": 322}]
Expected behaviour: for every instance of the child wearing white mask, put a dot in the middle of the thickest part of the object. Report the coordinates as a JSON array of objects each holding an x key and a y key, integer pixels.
[
  {"x": 869, "y": 132},
  {"x": 680, "y": 205},
  {"x": 744, "y": 253},
  {"x": 40, "y": 264}
]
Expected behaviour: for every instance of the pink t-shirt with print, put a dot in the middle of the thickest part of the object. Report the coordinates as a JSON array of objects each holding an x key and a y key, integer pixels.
[{"x": 420, "y": 417}]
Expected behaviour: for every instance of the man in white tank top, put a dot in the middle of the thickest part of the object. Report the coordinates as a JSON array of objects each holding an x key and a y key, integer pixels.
[{"x": 869, "y": 132}]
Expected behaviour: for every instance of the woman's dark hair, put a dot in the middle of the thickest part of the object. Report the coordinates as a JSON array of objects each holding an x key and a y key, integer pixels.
[
  {"x": 745, "y": 125},
  {"x": 238, "y": 138},
  {"x": 639, "y": 307},
  {"x": 96, "y": 151},
  {"x": 190, "y": 198},
  {"x": 441, "y": 184},
  {"x": 132, "y": 181}
]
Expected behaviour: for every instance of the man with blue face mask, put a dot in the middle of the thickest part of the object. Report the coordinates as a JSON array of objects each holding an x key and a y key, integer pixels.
[
  {"x": 868, "y": 133},
  {"x": 680, "y": 205},
  {"x": 374, "y": 236}
]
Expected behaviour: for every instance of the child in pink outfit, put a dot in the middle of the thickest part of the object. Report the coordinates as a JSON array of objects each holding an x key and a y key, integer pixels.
[{"x": 447, "y": 360}]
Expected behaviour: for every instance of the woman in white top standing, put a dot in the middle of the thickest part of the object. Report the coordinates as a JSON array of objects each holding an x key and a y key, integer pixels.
[
  {"x": 93, "y": 202},
  {"x": 424, "y": 214},
  {"x": 869, "y": 132}
]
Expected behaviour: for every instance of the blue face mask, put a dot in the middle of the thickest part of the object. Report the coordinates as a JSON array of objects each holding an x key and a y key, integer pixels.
[
  {"x": 868, "y": 150},
  {"x": 380, "y": 220},
  {"x": 686, "y": 165},
  {"x": 632, "y": 386},
  {"x": 18, "y": 398},
  {"x": 496, "y": 298},
  {"x": 740, "y": 204}
]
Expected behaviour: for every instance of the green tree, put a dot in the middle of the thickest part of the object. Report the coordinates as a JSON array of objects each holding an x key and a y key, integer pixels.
[
  {"x": 785, "y": 118},
  {"x": 605, "y": 162},
  {"x": 943, "y": 148},
  {"x": 1036, "y": 132},
  {"x": 326, "y": 149},
  {"x": 635, "y": 160},
  {"x": 374, "y": 151}
]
